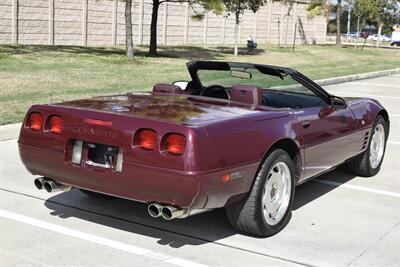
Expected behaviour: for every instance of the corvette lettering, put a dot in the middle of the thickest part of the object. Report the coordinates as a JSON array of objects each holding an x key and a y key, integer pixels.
[{"x": 95, "y": 132}]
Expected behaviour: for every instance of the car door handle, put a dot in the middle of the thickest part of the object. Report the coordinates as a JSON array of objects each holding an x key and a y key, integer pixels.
[{"x": 306, "y": 124}]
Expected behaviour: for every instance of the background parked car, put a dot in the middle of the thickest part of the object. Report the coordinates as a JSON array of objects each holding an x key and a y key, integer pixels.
[
  {"x": 395, "y": 38},
  {"x": 353, "y": 35},
  {"x": 383, "y": 38},
  {"x": 386, "y": 38}
]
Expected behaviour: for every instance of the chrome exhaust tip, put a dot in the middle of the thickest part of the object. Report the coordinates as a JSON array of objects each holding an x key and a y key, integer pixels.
[
  {"x": 170, "y": 212},
  {"x": 39, "y": 183},
  {"x": 155, "y": 210},
  {"x": 52, "y": 186}
]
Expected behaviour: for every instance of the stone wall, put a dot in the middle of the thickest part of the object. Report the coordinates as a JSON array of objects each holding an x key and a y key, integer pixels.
[{"x": 102, "y": 22}]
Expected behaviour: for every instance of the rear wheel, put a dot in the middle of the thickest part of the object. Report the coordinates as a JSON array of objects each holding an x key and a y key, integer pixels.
[
  {"x": 369, "y": 163},
  {"x": 267, "y": 209}
]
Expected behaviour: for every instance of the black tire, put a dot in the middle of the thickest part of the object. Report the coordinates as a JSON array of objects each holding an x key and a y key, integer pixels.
[
  {"x": 361, "y": 165},
  {"x": 95, "y": 194},
  {"x": 246, "y": 215}
]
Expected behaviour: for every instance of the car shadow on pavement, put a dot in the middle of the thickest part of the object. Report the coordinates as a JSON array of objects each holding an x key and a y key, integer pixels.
[
  {"x": 132, "y": 217},
  {"x": 311, "y": 190}
]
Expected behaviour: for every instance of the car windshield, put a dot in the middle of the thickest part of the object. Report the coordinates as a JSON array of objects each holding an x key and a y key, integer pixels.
[{"x": 250, "y": 76}]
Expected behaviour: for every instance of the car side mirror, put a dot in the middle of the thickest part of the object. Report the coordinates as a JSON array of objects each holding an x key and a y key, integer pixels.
[
  {"x": 338, "y": 102},
  {"x": 182, "y": 84}
]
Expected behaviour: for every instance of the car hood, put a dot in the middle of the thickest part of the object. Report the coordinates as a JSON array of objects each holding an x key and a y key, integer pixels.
[{"x": 183, "y": 109}]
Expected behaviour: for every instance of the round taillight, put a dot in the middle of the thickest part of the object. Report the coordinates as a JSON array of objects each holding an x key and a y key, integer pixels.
[
  {"x": 147, "y": 139},
  {"x": 55, "y": 124},
  {"x": 35, "y": 121},
  {"x": 175, "y": 143}
]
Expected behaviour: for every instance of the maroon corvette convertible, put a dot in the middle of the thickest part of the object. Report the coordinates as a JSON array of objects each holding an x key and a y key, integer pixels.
[{"x": 237, "y": 135}]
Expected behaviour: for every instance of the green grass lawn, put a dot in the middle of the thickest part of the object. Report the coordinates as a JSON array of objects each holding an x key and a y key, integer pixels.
[{"x": 45, "y": 74}]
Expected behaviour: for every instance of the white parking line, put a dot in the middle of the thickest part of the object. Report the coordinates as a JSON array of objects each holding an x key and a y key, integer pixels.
[
  {"x": 359, "y": 188},
  {"x": 394, "y": 115},
  {"x": 366, "y": 95},
  {"x": 394, "y": 142},
  {"x": 391, "y": 77},
  {"x": 98, "y": 240},
  {"x": 376, "y": 84}
]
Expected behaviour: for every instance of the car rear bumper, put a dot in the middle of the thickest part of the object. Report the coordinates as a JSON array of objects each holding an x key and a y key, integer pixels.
[{"x": 195, "y": 190}]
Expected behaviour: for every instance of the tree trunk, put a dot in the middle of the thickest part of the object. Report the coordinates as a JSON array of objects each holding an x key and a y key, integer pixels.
[
  {"x": 378, "y": 41},
  {"x": 338, "y": 23},
  {"x": 153, "y": 29},
  {"x": 128, "y": 29},
  {"x": 237, "y": 21}
]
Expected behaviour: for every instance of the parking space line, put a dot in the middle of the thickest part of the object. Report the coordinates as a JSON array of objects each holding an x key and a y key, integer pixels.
[
  {"x": 376, "y": 84},
  {"x": 156, "y": 228},
  {"x": 366, "y": 95},
  {"x": 393, "y": 77},
  {"x": 394, "y": 115},
  {"x": 359, "y": 188},
  {"x": 97, "y": 239},
  {"x": 393, "y": 142}
]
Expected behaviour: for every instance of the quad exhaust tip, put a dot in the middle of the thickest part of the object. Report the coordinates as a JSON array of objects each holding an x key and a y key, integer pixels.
[
  {"x": 39, "y": 183},
  {"x": 166, "y": 212},
  {"x": 49, "y": 185},
  {"x": 154, "y": 210},
  {"x": 170, "y": 213}
]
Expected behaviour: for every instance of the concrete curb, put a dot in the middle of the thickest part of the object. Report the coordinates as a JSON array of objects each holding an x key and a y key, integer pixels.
[
  {"x": 356, "y": 77},
  {"x": 11, "y": 131}
]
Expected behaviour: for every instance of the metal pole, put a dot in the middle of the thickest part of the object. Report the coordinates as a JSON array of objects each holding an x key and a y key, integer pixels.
[
  {"x": 114, "y": 23},
  {"x": 279, "y": 34},
  {"x": 294, "y": 39},
  {"x": 348, "y": 23}
]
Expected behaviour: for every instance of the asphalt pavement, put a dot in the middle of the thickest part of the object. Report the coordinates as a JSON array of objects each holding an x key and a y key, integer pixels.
[{"x": 338, "y": 219}]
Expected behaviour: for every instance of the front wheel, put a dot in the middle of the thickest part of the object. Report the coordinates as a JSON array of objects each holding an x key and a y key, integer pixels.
[
  {"x": 369, "y": 163},
  {"x": 267, "y": 209}
]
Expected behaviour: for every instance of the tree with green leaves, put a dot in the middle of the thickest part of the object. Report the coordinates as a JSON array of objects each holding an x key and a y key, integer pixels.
[
  {"x": 384, "y": 12},
  {"x": 289, "y": 4},
  {"x": 215, "y": 5},
  {"x": 237, "y": 8},
  {"x": 324, "y": 7},
  {"x": 319, "y": 7},
  {"x": 360, "y": 9}
]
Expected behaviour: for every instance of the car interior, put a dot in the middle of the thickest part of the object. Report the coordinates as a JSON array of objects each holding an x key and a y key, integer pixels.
[
  {"x": 250, "y": 94},
  {"x": 285, "y": 92}
]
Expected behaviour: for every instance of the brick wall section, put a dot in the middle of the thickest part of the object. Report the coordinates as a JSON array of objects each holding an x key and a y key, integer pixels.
[
  {"x": 5, "y": 21},
  {"x": 33, "y": 21},
  {"x": 67, "y": 22},
  {"x": 33, "y": 24}
]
